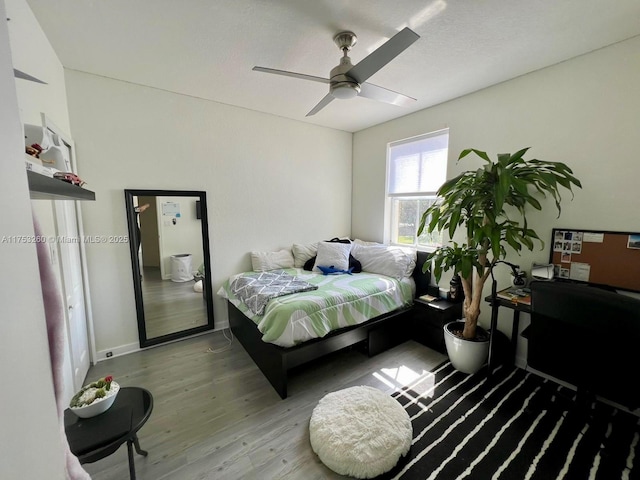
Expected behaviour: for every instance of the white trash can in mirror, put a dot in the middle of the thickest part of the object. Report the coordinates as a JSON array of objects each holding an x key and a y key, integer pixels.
[{"x": 181, "y": 268}]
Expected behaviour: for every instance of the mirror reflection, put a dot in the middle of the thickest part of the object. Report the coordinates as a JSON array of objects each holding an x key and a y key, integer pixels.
[{"x": 170, "y": 262}]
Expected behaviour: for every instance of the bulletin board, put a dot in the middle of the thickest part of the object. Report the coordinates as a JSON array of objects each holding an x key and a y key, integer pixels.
[{"x": 599, "y": 257}]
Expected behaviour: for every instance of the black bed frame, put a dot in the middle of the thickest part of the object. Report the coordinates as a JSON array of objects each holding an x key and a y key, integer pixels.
[
  {"x": 380, "y": 333},
  {"x": 275, "y": 362}
]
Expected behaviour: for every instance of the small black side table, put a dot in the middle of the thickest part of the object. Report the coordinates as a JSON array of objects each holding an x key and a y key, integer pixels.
[
  {"x": 517, "y": 307},
  {"x": 92, "y": 439},
  {"x": 429, "y": 319}
]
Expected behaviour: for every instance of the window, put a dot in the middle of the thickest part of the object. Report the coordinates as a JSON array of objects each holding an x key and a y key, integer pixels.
[{"x": 417, "y": 167}]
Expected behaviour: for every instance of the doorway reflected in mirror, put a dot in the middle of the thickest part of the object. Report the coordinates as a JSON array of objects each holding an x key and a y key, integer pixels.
[{"x": 170, "y": 263}]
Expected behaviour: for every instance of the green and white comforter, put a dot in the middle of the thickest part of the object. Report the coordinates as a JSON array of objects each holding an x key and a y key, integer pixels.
[{"x": 340, "y": 301}]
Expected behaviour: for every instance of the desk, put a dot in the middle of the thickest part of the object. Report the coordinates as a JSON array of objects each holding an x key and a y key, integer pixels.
[
  {"x": 517, "y": 307},
  {"x": 92, "y": 439}
]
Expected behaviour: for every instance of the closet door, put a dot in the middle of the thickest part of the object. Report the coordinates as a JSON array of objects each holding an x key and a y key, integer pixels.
[{"x": 73, "y": 290}]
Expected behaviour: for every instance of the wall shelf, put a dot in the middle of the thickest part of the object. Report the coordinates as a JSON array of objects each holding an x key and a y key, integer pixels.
[{"x": 42, "y": 187}]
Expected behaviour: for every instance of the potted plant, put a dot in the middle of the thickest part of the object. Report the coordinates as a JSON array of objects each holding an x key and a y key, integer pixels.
[{"x": 490, "y": 205}]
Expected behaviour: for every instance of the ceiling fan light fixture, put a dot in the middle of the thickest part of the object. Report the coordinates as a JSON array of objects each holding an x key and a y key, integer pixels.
[
  {"x": 345, "y": 90},
  {"x": 347, "y": 81}
]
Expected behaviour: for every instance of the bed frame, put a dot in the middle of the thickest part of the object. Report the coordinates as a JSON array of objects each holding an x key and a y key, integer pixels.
[
  {"x": 275, "y": 361},
  {"x": 380, "y": 333}
]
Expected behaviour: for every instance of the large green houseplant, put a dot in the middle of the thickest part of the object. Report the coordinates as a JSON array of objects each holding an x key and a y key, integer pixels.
[{"x": 490, "y": 205}]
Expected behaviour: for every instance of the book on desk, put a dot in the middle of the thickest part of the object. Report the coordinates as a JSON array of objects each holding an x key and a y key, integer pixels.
[
  {"x": 428, "y": 298},
  {"x": 435, "y": 302},
  {"x": 515, "y": 295}
]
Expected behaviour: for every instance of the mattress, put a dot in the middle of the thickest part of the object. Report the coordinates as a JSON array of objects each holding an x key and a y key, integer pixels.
[{"x": 340, "y": 301}]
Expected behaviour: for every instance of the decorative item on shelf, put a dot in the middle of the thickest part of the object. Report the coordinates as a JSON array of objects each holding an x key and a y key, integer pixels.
[
  {"x": 69, "y": 177},
  {"x": 94, "y": 398},
  {"x": 34, "y": 150},
  {"x": 519, "y": 277},
  {"x": 52, "y": 149},
  {"x": 482, "y": 203},
  {"x": 456, "y": 293}
]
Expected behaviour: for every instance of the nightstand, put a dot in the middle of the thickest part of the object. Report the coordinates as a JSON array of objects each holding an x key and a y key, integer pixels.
[{"x": 429, "y": 318}]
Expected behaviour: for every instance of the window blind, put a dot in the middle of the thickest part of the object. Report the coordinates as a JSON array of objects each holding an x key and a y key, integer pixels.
[{"x": 418, "y": 165}]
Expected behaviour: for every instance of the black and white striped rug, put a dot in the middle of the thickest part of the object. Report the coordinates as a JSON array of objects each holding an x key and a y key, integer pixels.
[{"x": 515, "y": 425}]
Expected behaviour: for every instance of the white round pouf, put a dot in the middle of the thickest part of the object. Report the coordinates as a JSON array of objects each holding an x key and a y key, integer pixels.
[{"x": 360, "y": 431}]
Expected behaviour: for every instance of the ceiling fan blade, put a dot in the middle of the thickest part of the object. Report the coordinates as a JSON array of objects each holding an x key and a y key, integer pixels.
[
  {"x": 291, "y": 74},
  {"x": 383, "y": 55},
  {"x": 380, "y": 94},
  {"x": 25, "y": 76},
  {"x": 323, "y": 103}
]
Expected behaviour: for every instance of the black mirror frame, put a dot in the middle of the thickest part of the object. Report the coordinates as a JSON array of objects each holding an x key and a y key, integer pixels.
[{"x": 135, "y": 265}]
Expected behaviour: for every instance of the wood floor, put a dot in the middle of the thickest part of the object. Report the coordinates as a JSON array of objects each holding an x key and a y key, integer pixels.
[
  {"x": 216, "y": 417},
  {"x": 170, "y": 306}
]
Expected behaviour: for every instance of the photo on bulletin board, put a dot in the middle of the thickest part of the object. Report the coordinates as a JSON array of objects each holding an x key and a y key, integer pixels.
[{"x": 634, "y": 242}]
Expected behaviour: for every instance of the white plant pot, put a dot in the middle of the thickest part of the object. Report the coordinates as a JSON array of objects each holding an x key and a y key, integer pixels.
[{"x": 466, "y": 356}]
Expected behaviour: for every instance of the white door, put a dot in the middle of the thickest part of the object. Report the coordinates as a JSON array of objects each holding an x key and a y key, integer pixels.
[{"x": 72, "y": 288}]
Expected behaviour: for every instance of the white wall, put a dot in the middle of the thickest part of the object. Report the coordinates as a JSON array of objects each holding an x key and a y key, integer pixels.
[
  {"x": 270, "y": 182},
  {"x": 583, "y": 112},
  {"x": 32, "y": 53},
  {"x": 30, "y": 444}
]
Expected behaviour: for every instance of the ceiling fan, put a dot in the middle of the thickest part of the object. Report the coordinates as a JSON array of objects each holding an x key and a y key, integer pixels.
[{"x": 347, "y": 81}]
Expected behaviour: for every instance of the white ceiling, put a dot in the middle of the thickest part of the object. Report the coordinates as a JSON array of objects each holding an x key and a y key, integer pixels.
[{"x": 206, "y": 48}]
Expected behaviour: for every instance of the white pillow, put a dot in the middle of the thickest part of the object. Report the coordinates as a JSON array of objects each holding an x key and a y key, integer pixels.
[
  {"x": 302, "y": 253},
  {"x": 332, "y": 254},
  {"x": 413, "y": 259},
  {"x": 264, "y": 261},
  {"x": 357, "y": 241},
  {"x": 386, "y": 260}
]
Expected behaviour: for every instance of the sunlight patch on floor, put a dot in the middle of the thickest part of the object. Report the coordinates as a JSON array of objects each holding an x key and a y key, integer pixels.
[{"x": 403, "y": 377}]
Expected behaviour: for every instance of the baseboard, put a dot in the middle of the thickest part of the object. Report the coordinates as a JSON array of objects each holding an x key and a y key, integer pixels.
[
  {"x": 135, "y": 347},
  {"x": 117, "y": 351},
  {"x": 221, "y": 325}
]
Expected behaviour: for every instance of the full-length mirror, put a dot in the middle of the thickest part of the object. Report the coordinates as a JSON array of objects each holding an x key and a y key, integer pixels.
[{"x": 169, "y": 244}]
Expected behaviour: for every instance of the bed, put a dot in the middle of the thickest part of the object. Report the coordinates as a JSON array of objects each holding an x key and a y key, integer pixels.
[{"x": 367, "y": 308}]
